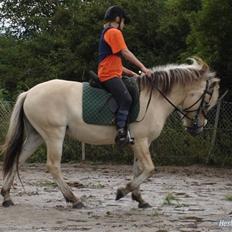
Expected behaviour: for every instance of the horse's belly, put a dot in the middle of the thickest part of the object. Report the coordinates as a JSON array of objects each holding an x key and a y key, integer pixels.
[{"x": 92, "y": 134}]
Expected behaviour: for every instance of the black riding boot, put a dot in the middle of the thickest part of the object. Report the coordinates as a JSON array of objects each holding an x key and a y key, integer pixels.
[{"x": 122, "y": 138}]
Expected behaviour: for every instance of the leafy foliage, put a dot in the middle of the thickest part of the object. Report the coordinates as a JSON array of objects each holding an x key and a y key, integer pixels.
[
  {"x": 43, "y": 40},
  {"x": 48, "y": 39},
  {"x": 211, "y": 37}
]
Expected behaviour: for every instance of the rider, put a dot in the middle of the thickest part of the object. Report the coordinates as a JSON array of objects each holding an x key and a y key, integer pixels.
[{"x": 110, "y": 69}]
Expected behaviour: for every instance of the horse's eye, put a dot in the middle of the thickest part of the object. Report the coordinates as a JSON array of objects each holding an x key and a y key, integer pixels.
[{"x": 192, "y": 95}]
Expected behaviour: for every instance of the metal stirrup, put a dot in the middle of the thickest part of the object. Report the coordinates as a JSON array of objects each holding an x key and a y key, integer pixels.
[{"x": 131, "y": 140}]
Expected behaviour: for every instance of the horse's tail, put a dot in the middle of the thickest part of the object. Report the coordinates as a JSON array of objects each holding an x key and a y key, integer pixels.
[{"x": 15, "y": 136}]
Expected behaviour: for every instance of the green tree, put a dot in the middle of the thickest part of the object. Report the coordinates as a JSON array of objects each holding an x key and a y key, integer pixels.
[
  {"x": 12, "y": 66},
  {"x": 211, "y": 37},
  {"x": 61, "y": 50},
  {"x": 26, "y": 17},
  {"x": 59, "y": 39},
  {"x": 174, "y": 29}
]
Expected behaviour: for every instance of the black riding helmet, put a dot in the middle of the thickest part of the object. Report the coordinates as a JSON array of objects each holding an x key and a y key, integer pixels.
[{"x": 116, "y": 11}]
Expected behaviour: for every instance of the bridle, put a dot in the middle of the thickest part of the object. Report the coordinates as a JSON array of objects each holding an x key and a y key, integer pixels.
[{"x": 202, "y": 108}]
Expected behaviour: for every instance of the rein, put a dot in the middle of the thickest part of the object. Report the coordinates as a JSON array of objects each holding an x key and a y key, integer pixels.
[
  {"x": 203, "y": 105},
  {"x": 174, "y": 106},
  {"x": 148, "y": 103}
]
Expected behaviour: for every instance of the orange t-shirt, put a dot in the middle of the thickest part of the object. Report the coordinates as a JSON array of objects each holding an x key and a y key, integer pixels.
[{"x": 111, "y": 66}]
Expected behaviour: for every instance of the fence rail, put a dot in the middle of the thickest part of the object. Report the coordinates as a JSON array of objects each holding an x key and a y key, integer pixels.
[{"x": 173, "y": 146}]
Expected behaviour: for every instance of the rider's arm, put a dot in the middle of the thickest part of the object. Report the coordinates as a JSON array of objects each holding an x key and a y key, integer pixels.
[
  {"x": 128, "y": 72},
  {"x": 128, "y": 55}
]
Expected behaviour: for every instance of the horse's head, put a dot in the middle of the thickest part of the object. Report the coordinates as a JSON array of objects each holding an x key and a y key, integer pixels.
[
  {"x": 201, "y": 96},
  {"x": 191, "y": 89}
]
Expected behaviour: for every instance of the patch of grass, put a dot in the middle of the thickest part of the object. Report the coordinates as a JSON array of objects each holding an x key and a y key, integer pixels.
[
  {"x": 96, "y": 185},
  {"x": 47, "y": 184},
  {"x": 228, "y": 197},
  {"x": 155, "y": 213},
  {"x": 170, "y": 199}
]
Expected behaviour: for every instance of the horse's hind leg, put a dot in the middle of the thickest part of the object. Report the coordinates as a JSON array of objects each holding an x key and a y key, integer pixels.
[
  {"x": 32, "y": 142},
  {"x": 54, "y": 152},
  {"x": 136, "y": 194}
]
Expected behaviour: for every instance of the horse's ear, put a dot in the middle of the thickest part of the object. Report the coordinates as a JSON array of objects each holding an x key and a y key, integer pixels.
[
  {"x": 204, "y": 66},
  {"x": 215, "y": 82}
]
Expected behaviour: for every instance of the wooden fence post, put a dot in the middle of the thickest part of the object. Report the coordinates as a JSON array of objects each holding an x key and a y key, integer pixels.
[{"x": 83, "y": 151}]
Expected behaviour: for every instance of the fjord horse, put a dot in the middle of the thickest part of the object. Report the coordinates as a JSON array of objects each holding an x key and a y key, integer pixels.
[{"x": 53, "y": 109}]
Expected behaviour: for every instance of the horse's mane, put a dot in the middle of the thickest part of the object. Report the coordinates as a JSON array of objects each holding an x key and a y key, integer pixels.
[{"x": 165, "y": 77}]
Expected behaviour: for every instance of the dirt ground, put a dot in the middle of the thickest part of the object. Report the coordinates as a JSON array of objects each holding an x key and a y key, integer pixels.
[{"x": 183, "y": 199}]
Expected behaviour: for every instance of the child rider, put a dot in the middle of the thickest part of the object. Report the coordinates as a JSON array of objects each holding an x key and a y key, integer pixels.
[{"x": 110, "y": 69}]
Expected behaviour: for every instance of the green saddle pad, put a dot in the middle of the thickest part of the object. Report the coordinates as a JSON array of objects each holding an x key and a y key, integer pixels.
[{"x": 95, "y": 105}]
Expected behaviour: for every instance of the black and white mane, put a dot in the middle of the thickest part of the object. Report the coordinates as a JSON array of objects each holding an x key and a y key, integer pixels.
[{"x": 165, "y": 77}]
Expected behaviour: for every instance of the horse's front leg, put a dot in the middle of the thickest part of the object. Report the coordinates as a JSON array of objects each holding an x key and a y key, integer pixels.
[
  {"x": 136, "y": 194},
  {"x": 145, "y": 170}
]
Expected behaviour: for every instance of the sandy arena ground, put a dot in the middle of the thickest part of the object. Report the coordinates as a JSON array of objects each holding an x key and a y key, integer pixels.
[{"x": 183, "y": 198}]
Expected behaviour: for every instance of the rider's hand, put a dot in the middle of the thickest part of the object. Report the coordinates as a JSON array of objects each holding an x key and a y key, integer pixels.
[
  {"x": 147, "y": 72},
  {"x": 133, "y": 74}
]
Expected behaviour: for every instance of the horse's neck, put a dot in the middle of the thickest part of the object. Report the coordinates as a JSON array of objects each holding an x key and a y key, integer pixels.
[
  {"x": 176, "y": 97},
  {"x": 159, "y": 108}
]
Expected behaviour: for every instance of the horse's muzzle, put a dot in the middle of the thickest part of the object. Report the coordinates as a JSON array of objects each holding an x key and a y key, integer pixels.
[{"x": 195, "y": 129}]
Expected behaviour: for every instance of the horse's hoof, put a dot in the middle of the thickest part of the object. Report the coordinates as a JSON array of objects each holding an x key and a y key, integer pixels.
[
  {"x": 120, "y": 194},
  {"x": 78, "y": 205},
  {"x": 144, "y": 205},
  {"x": 7, "y": 203}
]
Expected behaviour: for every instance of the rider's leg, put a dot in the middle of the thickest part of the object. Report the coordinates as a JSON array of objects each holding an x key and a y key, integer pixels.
[{"x": 122, "y": 96}]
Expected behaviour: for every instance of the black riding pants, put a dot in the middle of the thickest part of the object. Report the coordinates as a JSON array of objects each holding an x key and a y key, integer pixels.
[{"x": 122, "y": 96}]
